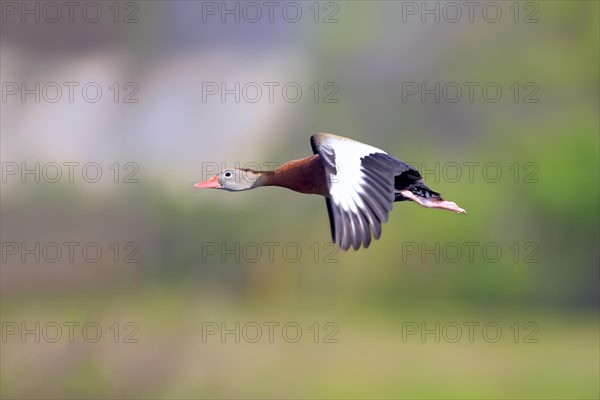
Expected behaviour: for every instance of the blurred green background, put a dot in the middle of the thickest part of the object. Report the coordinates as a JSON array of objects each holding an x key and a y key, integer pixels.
[{"x": 542, "y": 213}]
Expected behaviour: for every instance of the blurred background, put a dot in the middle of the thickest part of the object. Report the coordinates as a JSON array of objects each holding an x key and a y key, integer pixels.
[{"x": 120, "y": 280}]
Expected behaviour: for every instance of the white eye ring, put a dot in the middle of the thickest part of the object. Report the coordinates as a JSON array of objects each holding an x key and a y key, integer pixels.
[{"x": 227, "y": 174}]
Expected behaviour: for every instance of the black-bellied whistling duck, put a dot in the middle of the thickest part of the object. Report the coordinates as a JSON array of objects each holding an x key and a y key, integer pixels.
[{"x": 360, "y": 183}]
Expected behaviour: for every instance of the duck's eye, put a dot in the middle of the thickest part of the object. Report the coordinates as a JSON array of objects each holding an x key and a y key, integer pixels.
[{"x": 227, "y": 174}]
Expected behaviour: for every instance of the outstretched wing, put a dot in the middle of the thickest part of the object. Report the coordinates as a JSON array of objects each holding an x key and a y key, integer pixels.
[{"x": 360, "y": 180}]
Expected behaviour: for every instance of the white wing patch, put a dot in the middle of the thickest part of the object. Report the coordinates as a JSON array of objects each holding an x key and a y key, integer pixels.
[
  {"x": 343, "y": 186},
  {"x": 361, "y": 187}
]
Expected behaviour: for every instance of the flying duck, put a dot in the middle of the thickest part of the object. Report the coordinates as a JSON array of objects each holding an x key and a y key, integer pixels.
[{"x": 360, "y": 183}]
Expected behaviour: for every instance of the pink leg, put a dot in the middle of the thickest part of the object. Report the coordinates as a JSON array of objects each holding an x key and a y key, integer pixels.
[{"x": 433, "y": 202}]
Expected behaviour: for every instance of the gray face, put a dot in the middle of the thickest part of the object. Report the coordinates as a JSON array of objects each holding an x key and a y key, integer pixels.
[{"x": 235, "y": 180}]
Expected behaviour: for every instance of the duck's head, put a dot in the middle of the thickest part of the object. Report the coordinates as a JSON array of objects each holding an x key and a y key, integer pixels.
[{"x": 233, "y": 180}]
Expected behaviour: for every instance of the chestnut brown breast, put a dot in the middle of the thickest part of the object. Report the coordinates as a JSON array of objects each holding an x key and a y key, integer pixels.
[{"x": 306, "y": 175}]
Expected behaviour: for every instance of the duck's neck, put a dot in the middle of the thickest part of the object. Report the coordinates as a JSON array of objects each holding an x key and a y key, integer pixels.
[
  {"x": 305, "y": 176},
  {"x": 252, "y": 179},
  {"x": 264, "y": 178}
]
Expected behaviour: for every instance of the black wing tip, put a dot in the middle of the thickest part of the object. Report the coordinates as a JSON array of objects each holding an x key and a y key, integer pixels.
[
  {"x": 387, "y": 163},
  {"x": 331, "y": 218}
]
